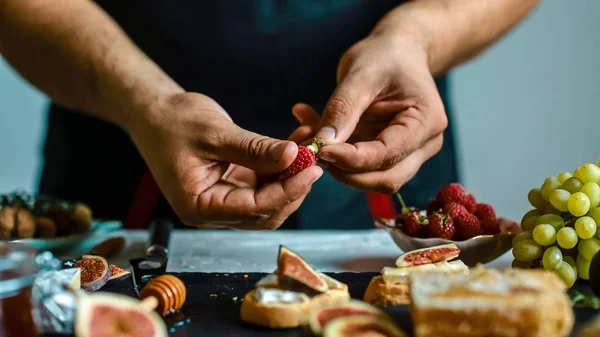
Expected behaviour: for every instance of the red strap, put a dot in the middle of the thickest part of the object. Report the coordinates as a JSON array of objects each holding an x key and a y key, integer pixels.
[
  {"x": 144, "y": 203},
  {"x": 381, "y": 206}
]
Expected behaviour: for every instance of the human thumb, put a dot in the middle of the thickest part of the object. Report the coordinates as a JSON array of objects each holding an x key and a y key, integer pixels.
[
  {"x": 345, "y": 107},
  {"x": 256, "y": 152}
]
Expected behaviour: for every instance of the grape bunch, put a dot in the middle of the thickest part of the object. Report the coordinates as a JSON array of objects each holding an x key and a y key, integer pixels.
[{"x": 561, "y": 232}]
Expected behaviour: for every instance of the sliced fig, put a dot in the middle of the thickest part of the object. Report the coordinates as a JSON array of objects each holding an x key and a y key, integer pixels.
[
  {"x": 107, "y": 314},
  {"x": 95, "y": 272},
  {"x": 322, "y": 316},
  {"x": 117, "y": 272},
  {"x": 434, "y": 254},
  {"x": 296, "y": 275},
  {"x": 364, "y": 325}
]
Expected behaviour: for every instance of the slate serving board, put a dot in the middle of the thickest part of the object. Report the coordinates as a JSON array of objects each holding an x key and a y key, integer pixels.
[{"x": 213, "y": 303}]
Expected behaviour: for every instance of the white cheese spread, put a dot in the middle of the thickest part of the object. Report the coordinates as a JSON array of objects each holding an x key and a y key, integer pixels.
[{"x": 269, "y": 296}]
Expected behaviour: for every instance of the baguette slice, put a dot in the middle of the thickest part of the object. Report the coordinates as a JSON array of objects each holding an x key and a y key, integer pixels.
[
  {"x": 392, "y": 286},
  {"x": 487, "y": 302}
]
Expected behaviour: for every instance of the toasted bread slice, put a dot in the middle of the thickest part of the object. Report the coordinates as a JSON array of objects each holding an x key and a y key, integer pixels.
[{"x": 487, "y": 302}]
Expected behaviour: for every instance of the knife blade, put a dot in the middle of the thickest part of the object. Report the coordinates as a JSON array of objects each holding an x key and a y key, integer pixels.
[{"x": 154, "y": 262}]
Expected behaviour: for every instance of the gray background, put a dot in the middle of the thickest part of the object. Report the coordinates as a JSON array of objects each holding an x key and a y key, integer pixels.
[{"x": 526, "y": 109}]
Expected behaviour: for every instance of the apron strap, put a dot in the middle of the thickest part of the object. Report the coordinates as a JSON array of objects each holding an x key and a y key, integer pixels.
[
  {"x": 381, "y": 206},
  {"x": 144, "y": 203}
]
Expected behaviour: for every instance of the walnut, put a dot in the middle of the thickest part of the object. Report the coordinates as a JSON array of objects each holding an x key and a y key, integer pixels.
[
  {"x": 25, "y": 223},
  {"x": 7, "y": 221},
  {"x": 45, "y": 227}
]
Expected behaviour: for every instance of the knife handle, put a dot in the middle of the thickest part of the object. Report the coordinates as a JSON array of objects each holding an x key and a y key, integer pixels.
[{"x": 160, "y": 233}]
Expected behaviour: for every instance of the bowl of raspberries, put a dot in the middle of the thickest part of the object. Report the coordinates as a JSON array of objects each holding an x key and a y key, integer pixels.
[{"x": 454, "y": 216}]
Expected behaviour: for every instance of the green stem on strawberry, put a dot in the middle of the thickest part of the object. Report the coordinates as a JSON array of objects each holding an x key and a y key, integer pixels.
[
  {"x": 404, "y": 208},
  {"x": 316, "y": 146}
]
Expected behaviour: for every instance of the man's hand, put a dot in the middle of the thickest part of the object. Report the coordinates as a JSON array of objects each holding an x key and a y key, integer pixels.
[
  {"x": 384, "y": 119},
  {"x": 189, "y": 143}
]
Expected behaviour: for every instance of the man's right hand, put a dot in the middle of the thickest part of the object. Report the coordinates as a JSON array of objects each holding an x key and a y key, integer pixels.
[{"x": 208, "y": 167}]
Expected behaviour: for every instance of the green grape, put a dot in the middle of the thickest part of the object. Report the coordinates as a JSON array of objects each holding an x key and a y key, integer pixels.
[
  {"x": 559, "y": 199},
  {"x": 552, "y": 219},
  {"x": 535, "y": 199},
  {"x": 525, "y": 235},
  {"x": 520, "y": 264},
  {"x": 583, "y": 267},
  {"x": 552, "y": 258},
  {"x": 585, "y": 227},
  {"x": 563, "y": 177},
  {"x": 592, "y": 190},
  {"x": 527, "y": 250},
  {"x": 566, "y": 238},
  {"x": 549, "y": 179},
  {"x": 530, "y": 213},
  {"x": 549, "y": 185},
  {"x": 579, "y": 204},
  {"x": 589, "y": 173},
  {"x": 529, "y": 223},
  {"x": 594, "y": 213},
  {"x": 551, "y": 210},
  {"x": 573, "y": 185},
  {"x": 576, "y": 173},
  {"x": 571, "y": 261},
  {"x": 598, "y": 162},
  {"x": 544, "y": 234},
  {"x": 567, "y": 274},
  {"x": 588, "y": 248}
]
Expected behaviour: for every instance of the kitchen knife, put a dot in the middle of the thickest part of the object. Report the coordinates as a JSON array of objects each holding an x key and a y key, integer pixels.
[{"x": 154, "y": 263}]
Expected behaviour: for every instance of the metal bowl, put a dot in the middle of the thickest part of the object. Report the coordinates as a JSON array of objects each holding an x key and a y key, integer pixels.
[{"x": 479, "y": 249}]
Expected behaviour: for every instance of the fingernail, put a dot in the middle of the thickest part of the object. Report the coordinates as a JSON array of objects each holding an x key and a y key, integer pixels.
[
  {"x": 326, "y": 133},
  {"x": 278, "y": 150}
]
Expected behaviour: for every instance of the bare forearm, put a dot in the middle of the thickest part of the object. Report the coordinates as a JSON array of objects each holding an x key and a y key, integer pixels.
[
  {"x": 72, "y": 51},
  {"x": 454, "y": 31}
]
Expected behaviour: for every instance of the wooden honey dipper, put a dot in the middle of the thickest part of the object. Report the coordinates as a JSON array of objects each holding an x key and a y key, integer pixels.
[{"x": 164, "y": 293}]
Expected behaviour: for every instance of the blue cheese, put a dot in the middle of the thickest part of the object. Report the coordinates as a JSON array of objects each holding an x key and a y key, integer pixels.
[
  {"x": 272, "y": 296},
  {"x": 401, "y": 275}
]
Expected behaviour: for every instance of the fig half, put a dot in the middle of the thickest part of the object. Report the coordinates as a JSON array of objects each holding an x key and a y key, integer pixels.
[
  {"x": 364, "y": 325},
  {"x": 434, "y": 254},
  {"x": 95, "y": 272},
  {"x": 295, "y": 274},
  {"x": 117, "y": 272},
  {"x": 108, "y": 314},
  {"x": 320, "y": 317}
]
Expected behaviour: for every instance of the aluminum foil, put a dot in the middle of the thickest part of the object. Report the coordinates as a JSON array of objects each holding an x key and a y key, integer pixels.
[{"x": 55, "y": 295}]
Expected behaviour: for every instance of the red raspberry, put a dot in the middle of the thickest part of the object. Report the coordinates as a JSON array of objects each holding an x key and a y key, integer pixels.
[
  {"x": 440, "y": 226},
  {"x": 451, "y": 193},
  {"x": 487, "y": 215},
  {"x": 467, "y": 226},
  {"x": 470, "y": 203},
  {"x": 434, "y": 206},
  {"x": 412, "y": 224}
]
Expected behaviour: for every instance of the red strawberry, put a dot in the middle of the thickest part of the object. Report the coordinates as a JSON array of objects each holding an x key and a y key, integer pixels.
[
  {"x": 467, "y": 226},
  {"x": 307, "y": 156},
  {"x": 487, "y": 215},
  {"x": 434, "y": 206},
  {"x": 455, "y": 210},
  {"x": 440, "y": 226},
  {"x": 412, "y": 224},
  {"x": 469, "y": 202},
  {"x": 451, "y": 193}
]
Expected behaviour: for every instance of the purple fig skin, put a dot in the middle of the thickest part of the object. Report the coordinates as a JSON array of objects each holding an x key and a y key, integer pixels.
[{"x": 100, "y": 281}]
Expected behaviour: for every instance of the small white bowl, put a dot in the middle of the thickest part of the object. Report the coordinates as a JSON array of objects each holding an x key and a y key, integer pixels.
[{"x": 479, "y": 249}]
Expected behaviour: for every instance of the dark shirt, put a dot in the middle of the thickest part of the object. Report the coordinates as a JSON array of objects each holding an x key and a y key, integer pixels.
[{"x": 256, "y": 58}]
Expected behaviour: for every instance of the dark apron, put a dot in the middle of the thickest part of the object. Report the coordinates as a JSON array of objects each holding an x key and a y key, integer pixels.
[{"x": 256, "y": 58}]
